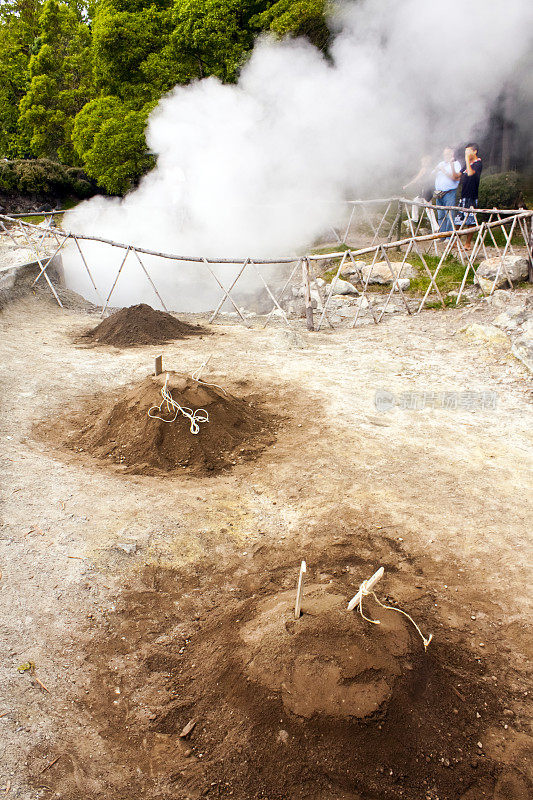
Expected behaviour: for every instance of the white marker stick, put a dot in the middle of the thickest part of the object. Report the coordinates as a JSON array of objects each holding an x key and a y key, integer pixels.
[
  {"x": 300, "y": 591},
  {"x": 369, "y": 585}
]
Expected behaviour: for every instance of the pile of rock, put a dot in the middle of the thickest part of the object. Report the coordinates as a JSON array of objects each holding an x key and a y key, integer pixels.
[
  {"x": 518, "y": 323},
  {"x": 498, "y": 269}
]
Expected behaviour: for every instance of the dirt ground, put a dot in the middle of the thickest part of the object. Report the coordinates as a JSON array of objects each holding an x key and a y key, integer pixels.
[{"x": 147, "y": 603}]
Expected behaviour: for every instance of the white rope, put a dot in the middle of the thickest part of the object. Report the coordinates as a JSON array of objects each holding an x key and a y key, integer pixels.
[
  {"x": 364, "y": 593},
  {"x": 197, "y": 372},
  {"x": 196, "y": 416}
]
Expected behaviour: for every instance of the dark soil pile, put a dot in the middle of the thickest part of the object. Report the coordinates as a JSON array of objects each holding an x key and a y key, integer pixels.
[
  {"x": 141, "y": 324},
  {"x": 224, "y": 694},
  {"x": 117, "y": 427}
]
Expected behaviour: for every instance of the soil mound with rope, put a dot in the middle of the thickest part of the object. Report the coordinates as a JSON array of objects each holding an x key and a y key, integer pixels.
[
  {"x": 326, "y": 662},
  {"x": 224, "y": 694},
  {"x": 141, "y": 324},
  {"x": 200, "y": 429}
]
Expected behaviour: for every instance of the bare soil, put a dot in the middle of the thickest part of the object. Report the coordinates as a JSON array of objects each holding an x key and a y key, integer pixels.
[
  {"x": 151, "y": 604},
  {"x": 140, "y": 325},
  {"x": 136, "y": 429}
]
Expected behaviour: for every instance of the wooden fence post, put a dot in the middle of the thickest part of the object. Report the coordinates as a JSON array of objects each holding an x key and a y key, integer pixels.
[
  {"x": 400, "y": 219},
  {"x": 307, "y": 290},
  {"x": 530, "y": 269}
]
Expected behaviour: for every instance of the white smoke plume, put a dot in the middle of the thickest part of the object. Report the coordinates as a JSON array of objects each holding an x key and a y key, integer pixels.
[{"x": 261, "y": 169}]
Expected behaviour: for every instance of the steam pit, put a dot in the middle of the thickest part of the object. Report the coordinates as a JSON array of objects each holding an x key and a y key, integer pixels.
[
  {"x": 327, "y": 662},
  {"x": 116, "y": 427},
  {"x": 141, "y": 325}
]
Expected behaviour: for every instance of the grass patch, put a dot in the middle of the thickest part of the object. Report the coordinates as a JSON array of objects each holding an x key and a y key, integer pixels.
[
  {"x": 339, "y": 247},
  {"x": 448, "y": 280},
  {"x": 499, "y": 236},
  {"x": 35, "y": 219}
]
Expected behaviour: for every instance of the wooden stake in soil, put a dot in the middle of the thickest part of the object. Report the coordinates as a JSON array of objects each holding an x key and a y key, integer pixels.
[
  {"x": 300, "y": 591},
  {"x": 368, "y": 586},
  {"x": 158, "y": 365},
  {"x": 307, "y": 292}
]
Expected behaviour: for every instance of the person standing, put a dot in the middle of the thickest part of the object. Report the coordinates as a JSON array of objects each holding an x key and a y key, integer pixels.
[
  {"x": 470, "y": 189},
  {"x": 447, "y": 176},
  {"x": 422, "y": 186}
]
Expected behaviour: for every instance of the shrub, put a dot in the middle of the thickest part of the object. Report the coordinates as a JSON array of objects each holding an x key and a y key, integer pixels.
[
  {"x": 80, "y": 185},
  {"x": 503, "y": 190},
  {"x": 43, "y": 176},
  {"x": 8, "y": 176}
]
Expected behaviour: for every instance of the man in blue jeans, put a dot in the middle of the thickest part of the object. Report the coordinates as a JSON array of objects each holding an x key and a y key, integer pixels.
[{"x": 447, "y": 176}]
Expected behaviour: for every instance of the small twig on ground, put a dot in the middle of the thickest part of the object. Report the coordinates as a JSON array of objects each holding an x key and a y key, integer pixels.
[
  {"x": 30, "y": 667},
  {"x": 41, "y": 684},
  {"x": 4, "y": 714},
  {"x": 80, "y": 558},
  {"x": 34, "y": 530},
  {"x": 7, "y": 787},
  {"x": 459, "y": 695},
  {"x": 51, "y": 764}
]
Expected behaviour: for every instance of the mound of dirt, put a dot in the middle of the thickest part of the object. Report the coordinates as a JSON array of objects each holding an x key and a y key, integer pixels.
[
  {"x": 141, "y": 324},
  {"x": 325, "y": 662},
  {"x": 224, "y": 694},
  {"x": 118, "y": 427}
]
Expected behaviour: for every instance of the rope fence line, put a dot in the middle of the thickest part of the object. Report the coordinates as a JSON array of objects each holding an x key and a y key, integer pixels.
[{"x": 383, "y": 227}]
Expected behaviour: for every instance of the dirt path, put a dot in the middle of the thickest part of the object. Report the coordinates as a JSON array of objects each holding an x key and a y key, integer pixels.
[{"x": 95, "y": 563}]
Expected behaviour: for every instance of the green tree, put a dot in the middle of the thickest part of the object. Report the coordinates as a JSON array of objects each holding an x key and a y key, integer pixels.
[
  {"x": 129, "y": 41},
  {"x": 212, "y": 37},
  {"x": 297, "y": 18},
  {"x": 60, "y": 81},
  {"x": 18, "y": 28},
  {"x": 108, "y": 137}
]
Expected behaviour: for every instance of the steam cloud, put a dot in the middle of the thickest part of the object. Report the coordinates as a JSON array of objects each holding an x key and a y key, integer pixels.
[{"x": 261, "y": 169}]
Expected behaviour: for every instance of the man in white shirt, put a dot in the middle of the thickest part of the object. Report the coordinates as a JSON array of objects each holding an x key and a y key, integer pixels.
[{"x": 447, "y": 176}]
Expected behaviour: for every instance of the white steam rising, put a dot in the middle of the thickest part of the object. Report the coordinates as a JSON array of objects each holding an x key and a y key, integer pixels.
[{"x": 260, "y": 169}]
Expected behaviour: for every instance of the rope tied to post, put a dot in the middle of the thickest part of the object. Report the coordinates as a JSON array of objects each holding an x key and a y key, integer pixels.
[
  {"x": 195, "y": 416},
  {"x": 366, "y": 589},
  {"x": 197, "y": 372}
]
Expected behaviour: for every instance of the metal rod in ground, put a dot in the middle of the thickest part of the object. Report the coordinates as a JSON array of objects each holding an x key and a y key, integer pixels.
[
  {"x": 368, "y": 586},
  {"x": 300, "y": 591},
  {"x": 158, "y": 365}
]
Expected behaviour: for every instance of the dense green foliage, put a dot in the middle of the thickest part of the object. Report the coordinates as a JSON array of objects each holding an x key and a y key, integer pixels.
[
  {"x": 43, "y": 177},
  {"x": 502, "y": 190},
  {"x": 78, "y": 78}
]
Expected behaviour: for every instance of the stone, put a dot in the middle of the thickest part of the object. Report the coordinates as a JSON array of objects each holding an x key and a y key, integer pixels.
[
  {"x": 517, "y": 318},
  {"x": 486, "y": 333},
  {"x": 516, "y": 266},
  {"x": 380, "y": 272},
  {"x": 352, "y": 268},
  {"x": 127, "y": 547},
  {"x": 508, "y": 320},
  {"x": 523, "y": 350},
  {"x": 403, "y": 284},
  {"x": 341, "y": 287},
  {"x": 315, "y": 299}
]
